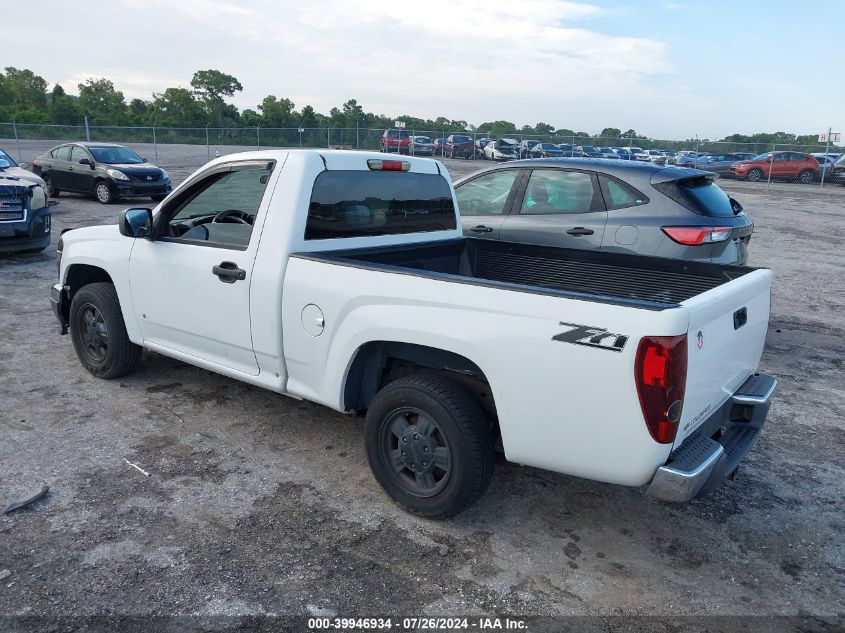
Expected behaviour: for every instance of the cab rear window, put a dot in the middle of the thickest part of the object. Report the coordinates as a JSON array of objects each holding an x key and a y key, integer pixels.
[
  {"x": 368, "y": 203},
  {"x": 701, "y": 195}
]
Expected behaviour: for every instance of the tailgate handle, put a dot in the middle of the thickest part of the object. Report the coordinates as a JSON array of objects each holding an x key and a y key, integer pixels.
[{"x": 740, "y": 318}]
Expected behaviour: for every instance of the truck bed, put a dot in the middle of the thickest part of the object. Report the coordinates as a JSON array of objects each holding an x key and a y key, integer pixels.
[{"x": 648, "y": 282}]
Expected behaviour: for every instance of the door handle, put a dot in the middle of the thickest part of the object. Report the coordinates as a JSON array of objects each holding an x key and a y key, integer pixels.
[
  {"x": 580, "y": 231},
  {"x": 228, "y": 272},
  {"x": 481, "y": 229}
]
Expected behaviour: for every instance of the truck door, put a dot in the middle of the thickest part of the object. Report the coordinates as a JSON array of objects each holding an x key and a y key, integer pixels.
[{"x": 190, "y": 284}]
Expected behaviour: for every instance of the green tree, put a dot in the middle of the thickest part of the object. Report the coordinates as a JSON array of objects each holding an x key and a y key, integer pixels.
[
  {"x": 140, "y": 110},
  {"x": 64, "y": 109},
  {"x": 99, "y": 99},
  {"x": 177, "y": 107},
  {"x": 211, "y": 87},
  {"x": 610, "y": 134},
  {"x": 277, "y": 112},
  {"x": 308, "y": 117},
  {"x": 23, "y": 89}
]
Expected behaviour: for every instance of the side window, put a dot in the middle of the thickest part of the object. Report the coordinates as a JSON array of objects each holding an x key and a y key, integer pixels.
[
  {"x": 487, "y": 194},
  {"x": 63, "y": 153},
  {"x": 620, "y": 196},
  {"x": 782, "y": 157},
  {"x": 77, "y": 154},
  {"x": 800, "y": 157},
  {"x": 559, "y": 191},
  {"x": 221, "y": 209}
]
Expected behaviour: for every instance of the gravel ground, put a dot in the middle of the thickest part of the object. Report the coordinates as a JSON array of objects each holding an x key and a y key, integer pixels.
[{"x": 260, "y": 504}]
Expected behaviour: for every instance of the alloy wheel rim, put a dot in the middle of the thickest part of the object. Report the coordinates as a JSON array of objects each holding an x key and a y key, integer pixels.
[
  {"x": 103, "y": 192},
  {"x": 93, "y": 332},
  {"x": 416, "y": 451}
]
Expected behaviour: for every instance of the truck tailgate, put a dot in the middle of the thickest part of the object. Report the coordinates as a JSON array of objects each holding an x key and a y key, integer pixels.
[{"x": 727, "y": 332}]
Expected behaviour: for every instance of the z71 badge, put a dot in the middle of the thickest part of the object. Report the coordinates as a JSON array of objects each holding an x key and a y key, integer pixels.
[{"x": 591, "y": 337}]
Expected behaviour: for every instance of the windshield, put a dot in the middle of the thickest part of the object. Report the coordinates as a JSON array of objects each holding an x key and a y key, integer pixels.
[
  {"x": 461, "y": 139},
  {"x": 588, "y": 148},
  {"x": 422, "y": 139},
  {"x": 636, "y": 150},
  {"x": 115, "y": 155},
  {"x": 6, "y": 157},
  {"x": 765, "y": 156},
  {"x": 550, "y": 146}
]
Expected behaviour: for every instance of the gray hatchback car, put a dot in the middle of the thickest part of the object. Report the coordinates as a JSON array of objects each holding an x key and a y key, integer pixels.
[{"x": 615, "y": 206}]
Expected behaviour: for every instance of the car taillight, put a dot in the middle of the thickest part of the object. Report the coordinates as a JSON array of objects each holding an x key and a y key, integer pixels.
[
  {"x": 660, "y": 372},
  {"x": 695, "y": 235},
  {"x": 388, "y": 165}
]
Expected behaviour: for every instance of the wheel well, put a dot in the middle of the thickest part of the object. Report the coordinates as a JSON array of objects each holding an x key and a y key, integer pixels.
[
  {"x": 380, "y": 362},
  {"x": 79, "y": 275}
]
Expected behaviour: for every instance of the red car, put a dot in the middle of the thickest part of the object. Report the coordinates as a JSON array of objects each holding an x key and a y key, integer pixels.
[
  {"x": 459, "y": 146},
  {"x": 396, "y": 142},
  {"x": 783, "y": 165}
]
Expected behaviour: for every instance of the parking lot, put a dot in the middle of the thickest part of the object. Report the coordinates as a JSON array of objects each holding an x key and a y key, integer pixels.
[{"x": 261, "y": 504}]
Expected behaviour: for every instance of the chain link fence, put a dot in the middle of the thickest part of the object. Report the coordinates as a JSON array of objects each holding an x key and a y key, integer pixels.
[{"x": 755, "y": 162}]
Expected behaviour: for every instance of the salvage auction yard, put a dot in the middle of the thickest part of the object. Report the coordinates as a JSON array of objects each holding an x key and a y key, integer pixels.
[{"x": 257, "y": 503}]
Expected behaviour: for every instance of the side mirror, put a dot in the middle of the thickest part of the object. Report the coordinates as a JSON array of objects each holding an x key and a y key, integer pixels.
[
  {"x": 736, "y": 206},
  {"x": 136, "y": 223},
  {"x": 86, "y": 161}
]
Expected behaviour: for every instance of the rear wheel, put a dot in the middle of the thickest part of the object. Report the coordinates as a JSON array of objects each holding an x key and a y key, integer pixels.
[
  {"x": 104, "y": 192},
  {"x": 755, "y": 175},
  {"x": 807, "y": 176},
  {"x": 52, "y": 190},
  {"x": 429, "y": 445},
  {"x": 99, "y": 333}
]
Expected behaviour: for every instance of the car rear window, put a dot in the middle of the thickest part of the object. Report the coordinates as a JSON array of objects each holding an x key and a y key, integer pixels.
[
  {"x": 701, "y": 195},
  {"x": 367, "y": 203}
]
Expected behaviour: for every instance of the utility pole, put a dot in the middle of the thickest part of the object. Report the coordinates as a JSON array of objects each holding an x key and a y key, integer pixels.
[{"x": 826, "y": 150}]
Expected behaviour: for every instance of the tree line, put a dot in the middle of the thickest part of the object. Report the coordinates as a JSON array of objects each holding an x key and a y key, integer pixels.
[{"x": 25, "y": 97}]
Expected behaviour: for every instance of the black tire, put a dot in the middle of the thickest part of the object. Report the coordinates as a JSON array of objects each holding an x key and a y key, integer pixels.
[
  {"x": 806, "y": 176},
  {"x": 99, "y": 333},
  {"x": 52, "y": 190},
  {"x": 104, "y": 192},
  {"x": 429, "y": 414},
  {"x": 755, "y": 175}
]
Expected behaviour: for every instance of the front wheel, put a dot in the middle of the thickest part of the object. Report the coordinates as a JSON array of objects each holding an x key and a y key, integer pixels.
[
  {"x": 104, "y": 192},
  {"x": 99, "y": 333},
  {"x": 429, "y": 445},
  {"x": 807, "y": 176},
  {"x": 755, "y": 175}
]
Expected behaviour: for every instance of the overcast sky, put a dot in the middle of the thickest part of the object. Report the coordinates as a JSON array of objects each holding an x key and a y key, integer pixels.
[{"x": 667, "y": 69}]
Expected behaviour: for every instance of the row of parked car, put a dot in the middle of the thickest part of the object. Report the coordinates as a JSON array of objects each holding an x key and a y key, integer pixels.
[{"x": 790, "y": 165}]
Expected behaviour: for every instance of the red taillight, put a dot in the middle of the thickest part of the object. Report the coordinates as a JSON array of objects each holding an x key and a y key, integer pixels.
[
  {"x": 696, "y": 235},
  {"x": 660, "y": 372}
]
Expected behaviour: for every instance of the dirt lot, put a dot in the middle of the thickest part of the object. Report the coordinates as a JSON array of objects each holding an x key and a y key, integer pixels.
[{"x": 260, "y": 504}]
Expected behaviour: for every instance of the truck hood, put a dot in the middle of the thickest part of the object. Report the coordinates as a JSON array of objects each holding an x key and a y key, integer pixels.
[{"x": 100, "y": 233}]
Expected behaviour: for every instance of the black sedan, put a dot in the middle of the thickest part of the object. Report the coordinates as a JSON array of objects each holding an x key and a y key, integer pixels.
[{"x": 104, "y": 170}]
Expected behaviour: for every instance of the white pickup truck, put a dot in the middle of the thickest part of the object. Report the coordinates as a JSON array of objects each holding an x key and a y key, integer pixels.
[{"x": 343, "y": 278}]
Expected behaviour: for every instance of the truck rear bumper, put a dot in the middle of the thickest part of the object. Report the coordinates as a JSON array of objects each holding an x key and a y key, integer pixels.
[{"x": 713, "y": 452}]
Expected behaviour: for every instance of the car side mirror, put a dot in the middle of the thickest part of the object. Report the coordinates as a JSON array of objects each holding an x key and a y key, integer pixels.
[
  {"x": 136, "y": 223},
  {"x": 736, "y": 206},
  {"x": 86, "y": 161}
]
